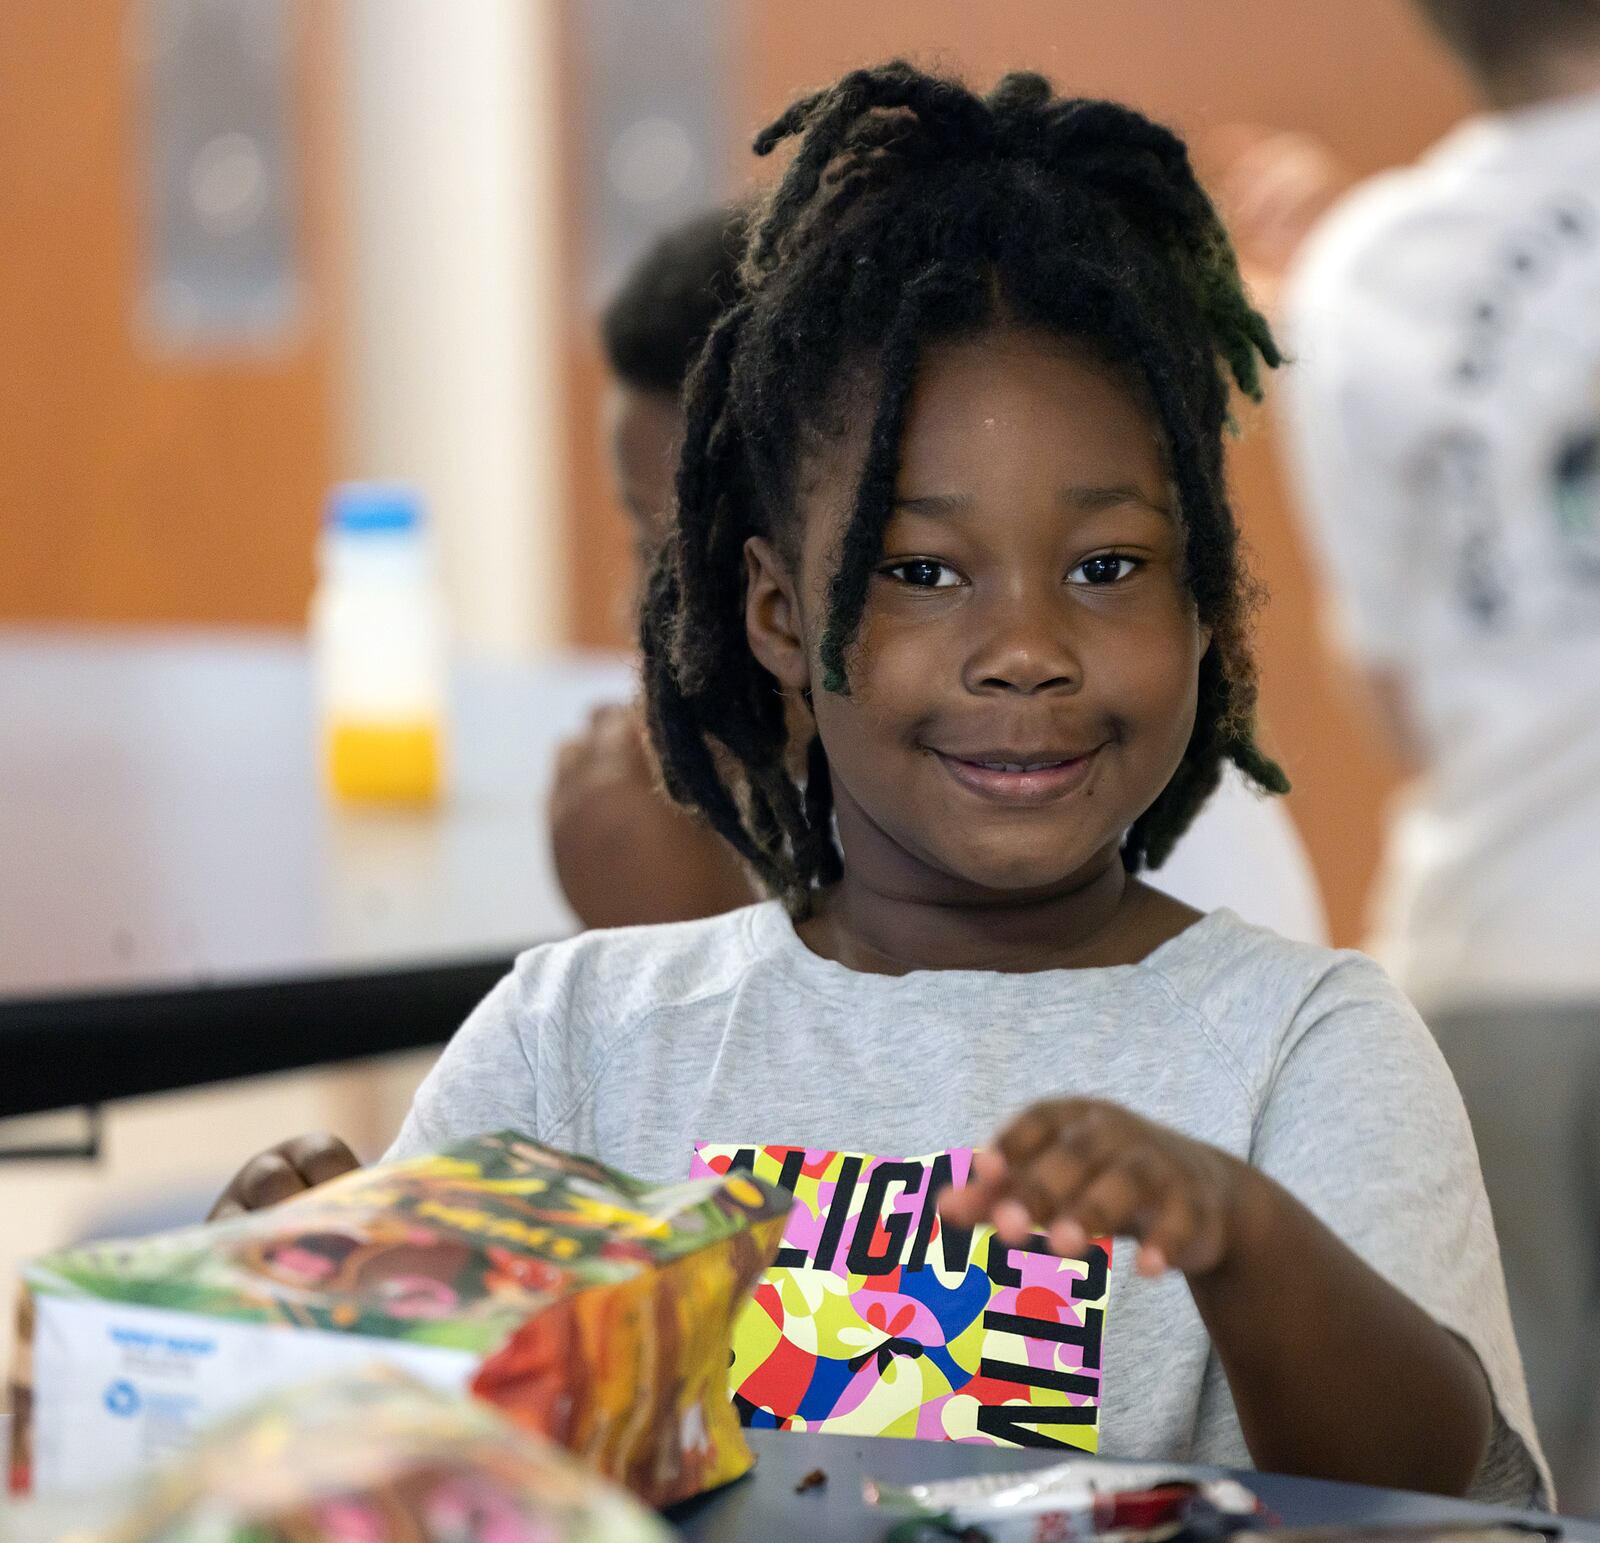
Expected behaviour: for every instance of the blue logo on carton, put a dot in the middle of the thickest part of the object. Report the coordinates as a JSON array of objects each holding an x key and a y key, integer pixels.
[
  {"x": 168, "y": 1344},
  {"x": 122, "y": 1399}
]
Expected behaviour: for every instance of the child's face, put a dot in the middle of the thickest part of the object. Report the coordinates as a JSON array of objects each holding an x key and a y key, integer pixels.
[
  {"x": 643, "y": 430},
  {"x": 1028, "y": 612}
]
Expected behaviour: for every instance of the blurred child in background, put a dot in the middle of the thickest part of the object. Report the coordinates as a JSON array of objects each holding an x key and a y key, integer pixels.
[
  {"x": 1444, "y": 323},
  {"x": 623, "y": 852}
]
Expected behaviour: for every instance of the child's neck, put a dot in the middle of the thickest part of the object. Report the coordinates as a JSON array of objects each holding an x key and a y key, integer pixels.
[{"x": 1108, "y": 919}]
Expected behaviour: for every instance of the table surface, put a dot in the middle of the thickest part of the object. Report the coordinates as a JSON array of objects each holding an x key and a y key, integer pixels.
[
  {"x": 170, "y": 863},
  {"x": 766, "y": 1506},
  {"x": 162, "y": 823}
]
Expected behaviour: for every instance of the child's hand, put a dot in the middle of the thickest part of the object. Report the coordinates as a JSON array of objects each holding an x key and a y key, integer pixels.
[
  {"x": 284, "y": 1170},
  {"x": 1077, "y": 1168}
]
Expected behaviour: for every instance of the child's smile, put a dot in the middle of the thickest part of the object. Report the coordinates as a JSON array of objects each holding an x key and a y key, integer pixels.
[
  {"x": 1025, "y": 679},
  {"x": 1019, "y": 776}
]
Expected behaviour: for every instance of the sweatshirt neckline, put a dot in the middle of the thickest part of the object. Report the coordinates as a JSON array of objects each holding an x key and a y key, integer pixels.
[{"x": 773, "y": 934}]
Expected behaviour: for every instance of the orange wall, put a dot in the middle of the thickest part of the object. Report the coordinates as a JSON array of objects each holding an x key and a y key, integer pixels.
[
  {"x": 135, "y": 488},
  {"x": 1360, "y": 73}
]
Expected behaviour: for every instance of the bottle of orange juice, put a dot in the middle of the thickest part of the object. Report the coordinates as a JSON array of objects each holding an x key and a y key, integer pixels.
[{"x": 378, "y": 647}]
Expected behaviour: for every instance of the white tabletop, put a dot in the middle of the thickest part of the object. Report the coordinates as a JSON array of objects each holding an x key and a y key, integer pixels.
[{"x": 161, "y": 823}]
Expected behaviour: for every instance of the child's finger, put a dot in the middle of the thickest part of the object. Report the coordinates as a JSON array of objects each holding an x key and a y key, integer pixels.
[
  {"x": 989, "y": 1168},
  {"x": 1032, "y": 1131},
  {"x": 1168, "y": 1235},
  {"x": 968, "y": 1204},
  {"x": 1184, "y": 1234},
  {"x": 1116, "y": 1199},
  {"x": 1051, "y": 1184},
  {"x": 1197, "y": 1242},
  {"x": 1150, "y": 1261},
  {"x": 319, "y": 1157},
  {"x": 965, "y": 1207},
  {"x": 1013, "y": 1222},
  {"x": 1068, "y": 1238},
  {"x": 263, "y": 1181}
]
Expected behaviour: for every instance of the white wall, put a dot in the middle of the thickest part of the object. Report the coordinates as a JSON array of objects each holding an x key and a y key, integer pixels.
[{"x": 451, "y": 233}]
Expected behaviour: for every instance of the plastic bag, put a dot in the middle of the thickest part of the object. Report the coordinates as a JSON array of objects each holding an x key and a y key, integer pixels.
[{"x": 367, "y": 1457}]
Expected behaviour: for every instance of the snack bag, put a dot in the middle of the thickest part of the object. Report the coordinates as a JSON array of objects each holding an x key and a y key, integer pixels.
[
  {"x": 366, "y": 1457},
  {"x": 584, "y": 1305}
]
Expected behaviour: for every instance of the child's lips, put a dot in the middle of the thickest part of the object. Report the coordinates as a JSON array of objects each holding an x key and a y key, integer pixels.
[{"x": 1009, "y": 778}]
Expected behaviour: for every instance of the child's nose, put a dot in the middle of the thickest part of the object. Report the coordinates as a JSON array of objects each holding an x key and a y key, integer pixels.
[{"x": 1025, "y": 649}]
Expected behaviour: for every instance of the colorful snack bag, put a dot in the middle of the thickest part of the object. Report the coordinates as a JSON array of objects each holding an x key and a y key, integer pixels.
[
  {"x": 1069, "y": 1503},
  {"x": 371, "y": 1457},
  {"x": 583, "y": 1304}
]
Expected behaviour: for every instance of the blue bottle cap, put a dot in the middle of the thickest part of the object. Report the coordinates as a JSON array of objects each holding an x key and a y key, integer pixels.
[{"x": 374, "y": 508}]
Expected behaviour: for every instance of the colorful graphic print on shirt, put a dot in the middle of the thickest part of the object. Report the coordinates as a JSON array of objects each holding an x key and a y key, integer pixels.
[{"x": 877, "y": 1320}]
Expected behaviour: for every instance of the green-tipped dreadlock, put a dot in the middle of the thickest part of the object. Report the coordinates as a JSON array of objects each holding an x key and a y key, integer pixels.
[{"x": 915, "y": 210}]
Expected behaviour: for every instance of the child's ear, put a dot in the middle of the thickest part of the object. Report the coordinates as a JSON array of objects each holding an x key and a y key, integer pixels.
[{"x": 772, "y": 615}]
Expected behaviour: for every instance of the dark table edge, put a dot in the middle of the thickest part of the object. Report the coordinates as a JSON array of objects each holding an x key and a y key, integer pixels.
[
  {"x": 1295, "y": 1502},
  {"x": 61, "y": 1050}
]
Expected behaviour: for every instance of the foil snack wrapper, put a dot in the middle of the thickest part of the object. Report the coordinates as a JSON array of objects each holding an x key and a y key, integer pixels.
[{"x": 1067, "y": 1503}]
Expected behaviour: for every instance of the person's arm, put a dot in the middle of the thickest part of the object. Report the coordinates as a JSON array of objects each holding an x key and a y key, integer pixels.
[
  {"x": 1334, "y": 1372},
  {"x": 624, "y": 853},
  {"x": 1307, "y": 1333}
]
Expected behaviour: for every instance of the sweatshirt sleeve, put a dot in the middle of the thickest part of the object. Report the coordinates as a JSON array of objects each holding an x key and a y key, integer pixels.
[{"x": 484, "y": 1081}]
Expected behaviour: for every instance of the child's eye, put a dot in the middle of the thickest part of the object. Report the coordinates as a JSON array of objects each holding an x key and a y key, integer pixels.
[
  {"x": 1103, "y": 568},
  {"x": 923, "y": 573}
]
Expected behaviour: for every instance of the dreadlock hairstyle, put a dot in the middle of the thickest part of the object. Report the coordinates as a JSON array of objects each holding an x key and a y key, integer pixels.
[{"x": 914, "y": 211}]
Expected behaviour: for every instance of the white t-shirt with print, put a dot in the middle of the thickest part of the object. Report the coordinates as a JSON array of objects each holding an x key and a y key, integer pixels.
[
  {"x": 697, "y": 1047},
  {"x": 1444, "y": 403}
]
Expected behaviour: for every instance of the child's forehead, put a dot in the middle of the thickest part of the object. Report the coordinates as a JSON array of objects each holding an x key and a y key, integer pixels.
[
  {"x": 981, "y": 404},
  {"x": 1038, "y": 378}
]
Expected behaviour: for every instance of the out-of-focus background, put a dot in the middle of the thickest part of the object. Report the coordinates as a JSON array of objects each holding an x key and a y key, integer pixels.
[{"x": 253, "y": 248}]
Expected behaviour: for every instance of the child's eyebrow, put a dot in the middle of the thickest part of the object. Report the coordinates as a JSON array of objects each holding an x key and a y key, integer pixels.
[
  {"x": 1080, "y": 499},
  {"x": 935, "y": 504},
  {"x": 1086, "y": 500}
]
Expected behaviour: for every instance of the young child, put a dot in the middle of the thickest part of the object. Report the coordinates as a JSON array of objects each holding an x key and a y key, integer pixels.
[
  {"x": 952, "y": 482},
  {"x": 625, "y": 853}
]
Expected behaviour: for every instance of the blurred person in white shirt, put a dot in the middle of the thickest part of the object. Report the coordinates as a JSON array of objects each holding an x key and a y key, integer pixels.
[{"x": 1444, "y": 414}]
